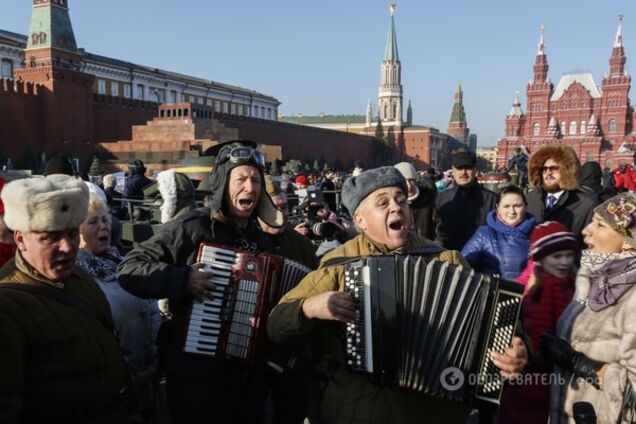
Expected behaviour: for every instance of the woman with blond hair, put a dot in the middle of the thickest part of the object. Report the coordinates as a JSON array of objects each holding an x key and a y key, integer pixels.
[
  {"x": 595, "y": 341},
  {"x": 136, "y": 320}
]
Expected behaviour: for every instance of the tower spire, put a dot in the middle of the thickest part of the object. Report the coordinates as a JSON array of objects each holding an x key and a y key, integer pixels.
[
  {"x": 541, "y": 46},
  {"x": 457, "y": 126},
  {"x": 618, "y": 41},
  {"x": 541, "y": 60},
  {"x": 459, "y": 95},
  {"x": 618, "y": 59},
  {"x": 391, "y": 48},
  {"x": 390, "y": 92}
]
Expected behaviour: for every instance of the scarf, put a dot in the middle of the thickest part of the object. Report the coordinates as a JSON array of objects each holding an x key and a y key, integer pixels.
[{"x": 611, "y": 275}]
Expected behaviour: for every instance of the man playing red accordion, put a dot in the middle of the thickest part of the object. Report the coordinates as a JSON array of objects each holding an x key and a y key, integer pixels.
[{"x": 200, "y": 389}]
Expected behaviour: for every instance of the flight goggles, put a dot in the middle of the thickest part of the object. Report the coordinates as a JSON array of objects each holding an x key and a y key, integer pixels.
[{"x": 245, "y": 154}]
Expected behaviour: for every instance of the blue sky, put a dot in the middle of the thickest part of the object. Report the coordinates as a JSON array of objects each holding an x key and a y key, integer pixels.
[{"x": 324, "y": 56}]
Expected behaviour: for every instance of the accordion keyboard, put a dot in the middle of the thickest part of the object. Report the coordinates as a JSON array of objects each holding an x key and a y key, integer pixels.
[{"x": 207, "y": 316}]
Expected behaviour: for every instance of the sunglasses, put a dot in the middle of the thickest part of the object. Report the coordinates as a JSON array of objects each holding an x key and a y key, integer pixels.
[
  {"x": 551, "y": 168},
  {"x": 244, "y": 154}
]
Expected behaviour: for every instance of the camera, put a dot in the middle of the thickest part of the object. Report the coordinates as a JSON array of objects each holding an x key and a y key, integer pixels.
[{"x": 312, "y": 201}]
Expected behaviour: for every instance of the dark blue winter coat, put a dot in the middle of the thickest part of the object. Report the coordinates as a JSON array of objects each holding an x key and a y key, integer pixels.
[{"x": 497, "y": 248}]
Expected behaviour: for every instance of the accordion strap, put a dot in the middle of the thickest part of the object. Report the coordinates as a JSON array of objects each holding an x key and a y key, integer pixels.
[
  {"x": 431, "y": 249},
  {"x": 340, "y": 260}
]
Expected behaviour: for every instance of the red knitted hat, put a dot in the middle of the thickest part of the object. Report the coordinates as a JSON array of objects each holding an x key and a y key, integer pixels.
[
  {"x": 549, "y": 237},
  {"x": 301, "y": 179},
  {"x": 1, "y": 203}
]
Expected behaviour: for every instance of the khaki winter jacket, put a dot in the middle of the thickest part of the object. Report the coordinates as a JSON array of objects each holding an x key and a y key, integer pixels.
[
  {"x": 350, "y": 398},
  {"x": 57, "y": 364}
]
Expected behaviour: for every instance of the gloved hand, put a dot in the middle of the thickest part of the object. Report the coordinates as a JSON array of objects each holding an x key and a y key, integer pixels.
[{"x": 560, "y": 353}]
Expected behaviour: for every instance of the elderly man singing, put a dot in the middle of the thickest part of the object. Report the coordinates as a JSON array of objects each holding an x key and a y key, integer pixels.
[
  {"x": 59, "y": 359},
  {"x": 317, "y": 307},
  {"x": 205, "y": 390}
]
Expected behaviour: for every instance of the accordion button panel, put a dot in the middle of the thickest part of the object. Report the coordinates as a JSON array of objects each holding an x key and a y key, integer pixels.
[{"x": 356, "y": 341}]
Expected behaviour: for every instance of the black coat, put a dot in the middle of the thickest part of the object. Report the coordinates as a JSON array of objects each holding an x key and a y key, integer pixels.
[
  {"x": 159, "y": 268},
  {"x": 574, "y": 209},
  {"x": 460, "y": 211},
  {"x": 134, "y": 188},
  {"x": 422, "y": 210}
]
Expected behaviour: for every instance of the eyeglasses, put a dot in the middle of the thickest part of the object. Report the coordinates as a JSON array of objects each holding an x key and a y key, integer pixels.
[
  {"x": 245, "y": 154},
  {"x": 551, "y": 168}
]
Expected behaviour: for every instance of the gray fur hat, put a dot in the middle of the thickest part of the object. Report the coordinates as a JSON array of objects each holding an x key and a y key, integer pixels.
[
  {"x": 355, "y": 189},
  {"x": 53, "y": 203}
]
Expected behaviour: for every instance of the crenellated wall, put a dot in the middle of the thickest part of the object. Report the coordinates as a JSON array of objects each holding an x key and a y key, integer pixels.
[{"x": 21, "y": 117}]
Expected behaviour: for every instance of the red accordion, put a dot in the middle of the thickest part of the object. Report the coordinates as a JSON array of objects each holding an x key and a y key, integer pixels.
[{"x": 247, "y": 286}]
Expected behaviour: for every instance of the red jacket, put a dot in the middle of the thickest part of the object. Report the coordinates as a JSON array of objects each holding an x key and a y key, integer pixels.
[
  {"x": 529, "y": 403},
  {"x": 625, "y": 180}
]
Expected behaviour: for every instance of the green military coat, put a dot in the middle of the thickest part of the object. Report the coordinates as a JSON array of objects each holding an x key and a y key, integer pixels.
[{"x": 57, "y": 364}]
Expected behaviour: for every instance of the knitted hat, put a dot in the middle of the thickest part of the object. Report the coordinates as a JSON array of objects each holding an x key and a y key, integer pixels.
[
  {"x": 1, "y": 204},
  {"x": 407, "y": 170},
  {"x": 54, "y": 203},
  {"x": 355, "y": 189},
  {"x": 619, "y": 213},
  {"x": 549, "y": 237}
]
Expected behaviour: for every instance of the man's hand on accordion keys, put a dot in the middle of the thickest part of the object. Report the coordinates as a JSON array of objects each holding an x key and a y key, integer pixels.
[
  {"x": 199, "y": 283},
  {"x": 514, "y": 359},
  {"x": 331, "y": 305}
]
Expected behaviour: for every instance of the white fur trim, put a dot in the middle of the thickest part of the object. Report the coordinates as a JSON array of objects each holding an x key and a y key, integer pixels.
[
  {"x": 53, "y": 203},
  {"x": 168, "y": 191}
]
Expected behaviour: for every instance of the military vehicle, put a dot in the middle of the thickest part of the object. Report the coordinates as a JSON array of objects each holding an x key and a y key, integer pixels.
[{"x": 144, "y": 215}]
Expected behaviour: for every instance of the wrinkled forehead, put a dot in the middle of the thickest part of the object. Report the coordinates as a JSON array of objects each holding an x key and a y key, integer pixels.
[
  {"x": 550, "y": 162},
  {"x": 389, "y": 192},
  {"x": 244, "y": 171}
]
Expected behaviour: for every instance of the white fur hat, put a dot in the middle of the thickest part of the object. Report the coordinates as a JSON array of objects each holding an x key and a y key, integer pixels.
[{"x": 53, "y": 203}]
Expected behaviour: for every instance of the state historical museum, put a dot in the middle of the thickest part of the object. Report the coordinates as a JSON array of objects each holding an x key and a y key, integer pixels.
[{"x": 597, "y": 122}]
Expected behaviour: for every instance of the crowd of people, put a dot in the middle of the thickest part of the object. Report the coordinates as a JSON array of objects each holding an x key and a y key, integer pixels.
[{"x": 92, "y": 331}]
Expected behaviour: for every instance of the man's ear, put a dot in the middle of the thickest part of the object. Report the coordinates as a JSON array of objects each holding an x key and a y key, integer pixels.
[
  {"x": 359, "y": 221},
  {"x": 18, "y": 237}
]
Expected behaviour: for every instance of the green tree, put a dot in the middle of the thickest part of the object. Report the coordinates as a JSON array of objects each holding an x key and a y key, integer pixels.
[{"x": 96, "y": 167}]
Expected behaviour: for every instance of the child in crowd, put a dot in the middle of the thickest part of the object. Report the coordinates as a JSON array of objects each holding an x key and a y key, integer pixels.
[{"x": 549, "y": 282}]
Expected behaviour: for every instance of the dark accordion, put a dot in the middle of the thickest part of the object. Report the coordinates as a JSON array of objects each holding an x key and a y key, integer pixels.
[
  {"x": 430, "y": 326},
  {"x": 247, "y": 286}
]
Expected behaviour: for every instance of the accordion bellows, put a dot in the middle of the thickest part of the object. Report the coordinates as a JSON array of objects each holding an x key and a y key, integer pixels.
[{"x": 430, "y": 326}]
